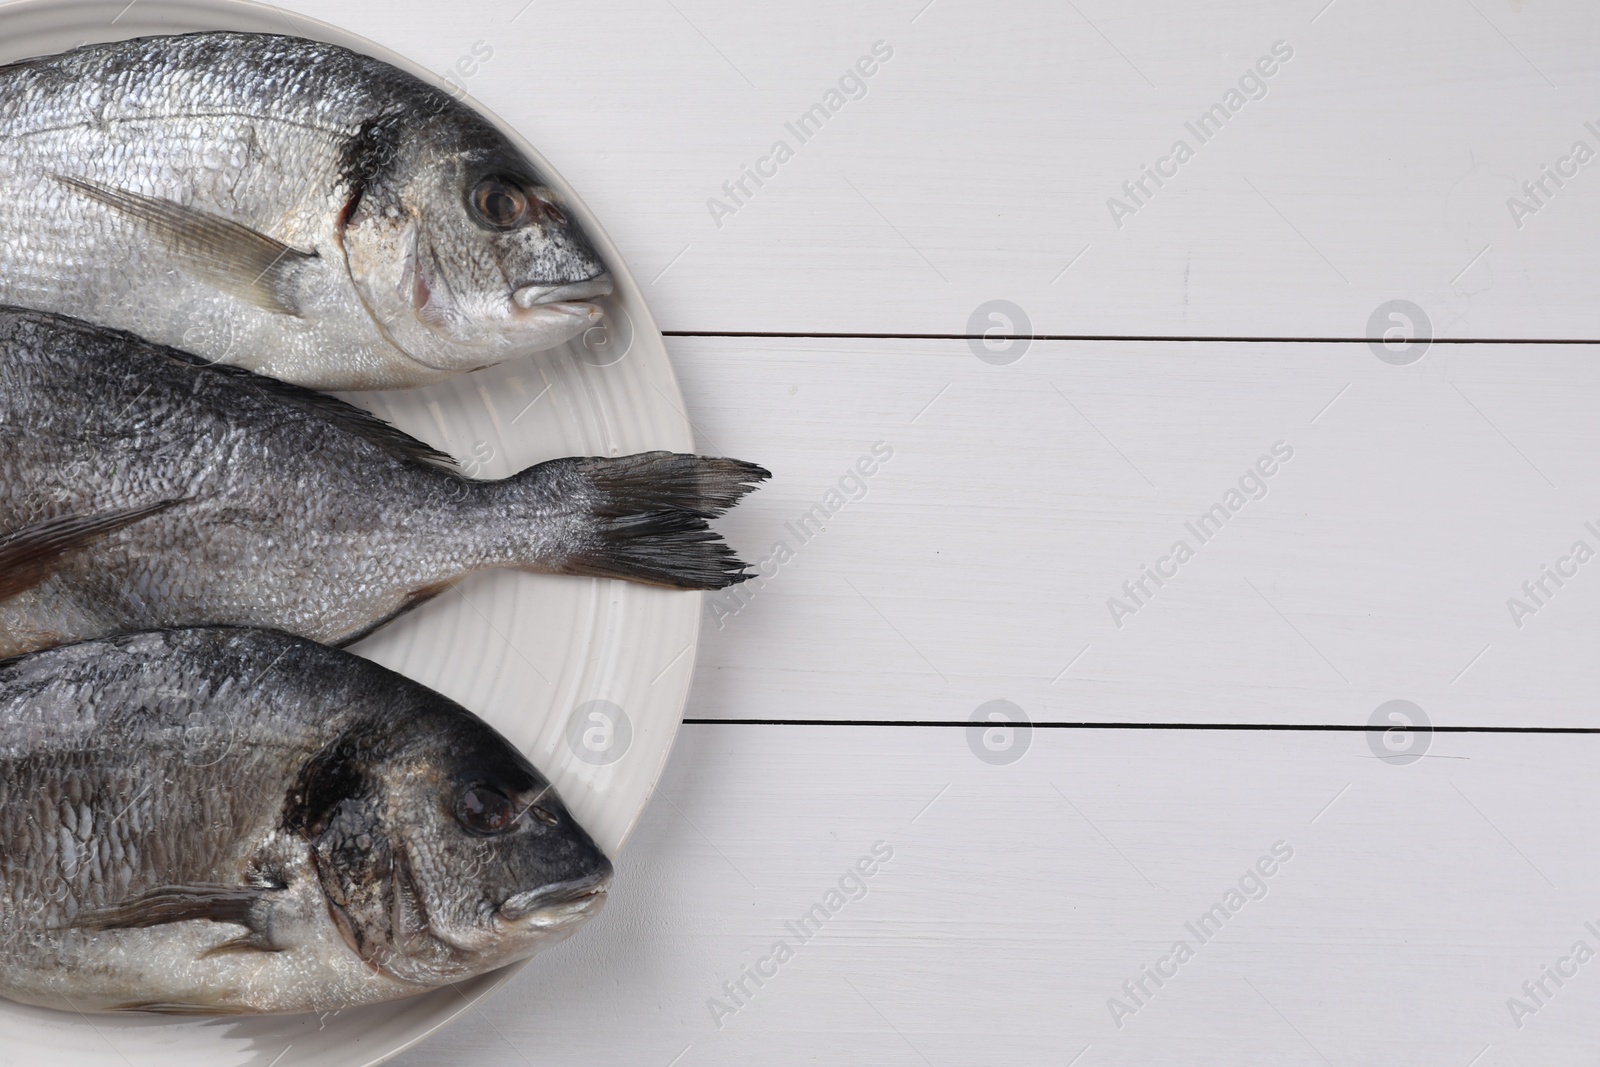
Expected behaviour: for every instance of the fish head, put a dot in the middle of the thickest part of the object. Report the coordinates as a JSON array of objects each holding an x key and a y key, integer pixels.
[
  {"x": 444, "y": 853},
  {"x": 463, "y": 255}
]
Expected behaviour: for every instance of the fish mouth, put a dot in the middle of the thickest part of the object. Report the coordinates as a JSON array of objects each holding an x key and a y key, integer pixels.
[
  {"x": 573, "y": 295},
  {"x": 562, "y": 904}
]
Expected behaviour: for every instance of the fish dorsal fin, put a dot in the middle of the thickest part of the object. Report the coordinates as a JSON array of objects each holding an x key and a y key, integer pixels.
[
  {"x": 30, "y": 555},
  {"x": 236, "y": 259},
  {"x": 358, "y": 421}
]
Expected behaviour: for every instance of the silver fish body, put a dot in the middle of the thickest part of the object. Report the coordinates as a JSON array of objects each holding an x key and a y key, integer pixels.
[
  {"x": 231, "y": 821},
  {"x": 142, "y": 488},
  {"x": 282, "y": 205}
]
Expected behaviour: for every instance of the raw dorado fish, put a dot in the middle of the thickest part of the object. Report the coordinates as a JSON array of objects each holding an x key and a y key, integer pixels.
[
  {"x": 282, "y": 205},
  {"x": 142, "y": 488},
  {"x": 229, "y": 821}
]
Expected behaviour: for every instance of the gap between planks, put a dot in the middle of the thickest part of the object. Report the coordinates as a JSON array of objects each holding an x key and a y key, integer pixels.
[
  {"x": 781, "y": 335},
  {"x": 1265, "y": 727}
]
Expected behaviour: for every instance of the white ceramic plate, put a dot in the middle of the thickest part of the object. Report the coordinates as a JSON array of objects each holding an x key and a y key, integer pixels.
[{"x": 588, "y": 677}]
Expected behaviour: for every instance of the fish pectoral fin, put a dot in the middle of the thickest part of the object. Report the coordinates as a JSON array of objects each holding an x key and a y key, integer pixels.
[
  {"x": 240, "y": 904},
  {"x": 235, "y": 258},
  {"x": 167, "y": 1007},
  {"x": 30, "y": 555},
  {"x": 251, "y": 942}
]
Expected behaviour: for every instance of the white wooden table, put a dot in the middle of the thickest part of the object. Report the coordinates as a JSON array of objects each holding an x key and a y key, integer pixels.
[{"x": 1199, "y": 769}]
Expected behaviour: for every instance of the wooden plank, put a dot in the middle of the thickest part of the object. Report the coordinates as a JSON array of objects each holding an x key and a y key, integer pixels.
[
  {"x": 1417, "y": 901},
  {"x": 980, "y": 562},
  {"x": 980, "y": 162}
]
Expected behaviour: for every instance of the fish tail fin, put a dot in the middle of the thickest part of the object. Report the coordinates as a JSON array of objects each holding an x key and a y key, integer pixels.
[{"x": 643, "y": 518}]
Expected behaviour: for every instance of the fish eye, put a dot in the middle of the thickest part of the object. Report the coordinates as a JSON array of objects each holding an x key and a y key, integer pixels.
[
  {"x": 485, "y": 810},
  {"x": 501, "y": 205}
]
